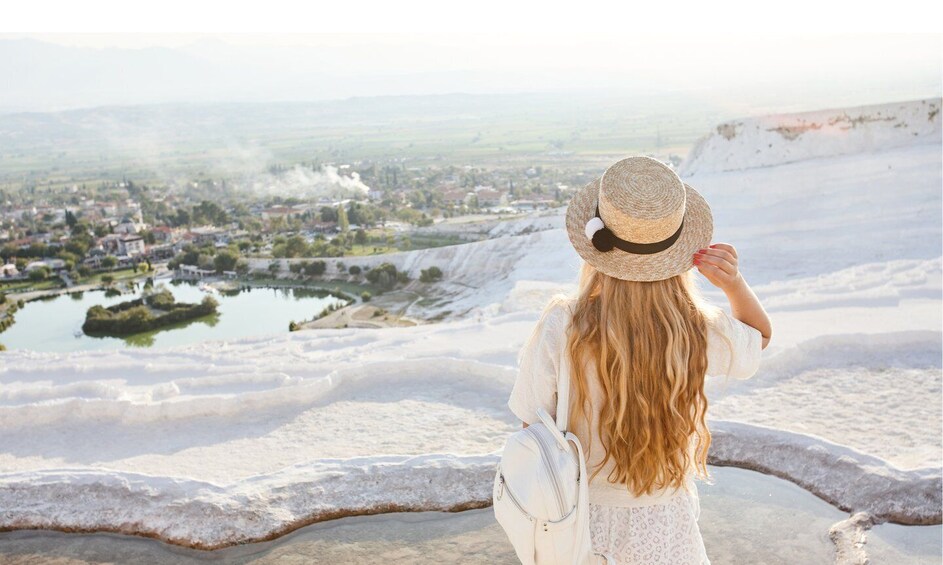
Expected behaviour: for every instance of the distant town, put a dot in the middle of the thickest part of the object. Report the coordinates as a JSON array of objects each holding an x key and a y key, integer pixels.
[{"x": 214, "y": 226}]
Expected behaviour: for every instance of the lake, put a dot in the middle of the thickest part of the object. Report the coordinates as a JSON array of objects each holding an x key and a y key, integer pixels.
[{"x": 50, "y": 324}]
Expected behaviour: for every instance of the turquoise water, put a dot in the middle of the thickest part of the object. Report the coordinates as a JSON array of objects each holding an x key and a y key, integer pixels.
[
  {"x": 746, "y": 517},
  {"x": 50, "y": 324}
]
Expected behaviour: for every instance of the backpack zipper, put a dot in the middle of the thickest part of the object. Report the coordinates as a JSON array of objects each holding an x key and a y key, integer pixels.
[
  {"x": 507, "y": 490},
  {"x": 545, "y": 452}
]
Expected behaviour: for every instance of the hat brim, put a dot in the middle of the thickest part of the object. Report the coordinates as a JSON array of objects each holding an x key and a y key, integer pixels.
[{"x": 695, "y": 234}]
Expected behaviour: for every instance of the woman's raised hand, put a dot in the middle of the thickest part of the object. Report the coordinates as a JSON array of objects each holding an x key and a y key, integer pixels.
[{"x": 718, "y": 263}]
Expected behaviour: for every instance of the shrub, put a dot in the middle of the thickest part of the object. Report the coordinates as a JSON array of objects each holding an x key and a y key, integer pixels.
[
  {"x": 293, "y": 327},
  {"x": 328, "y": 309},
  {"x": 161, "y": 300},
  {"x": 366, "y": 296},
  {"x": 431, "y": 274},
  {"x": 108, "y": 278},
  {"x": 315, "y": 268},
  {"x": 383, "y": 275},
  {"x": 354, "y": 270}
]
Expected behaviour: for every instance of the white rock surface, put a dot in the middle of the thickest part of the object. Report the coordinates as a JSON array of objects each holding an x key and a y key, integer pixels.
[
  {"x": 785, "y": 138},
  {"x": 220, "y": 442}
]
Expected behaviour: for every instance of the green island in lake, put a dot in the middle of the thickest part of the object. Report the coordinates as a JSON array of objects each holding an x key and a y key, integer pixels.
[{"x": 144, "y": 314}]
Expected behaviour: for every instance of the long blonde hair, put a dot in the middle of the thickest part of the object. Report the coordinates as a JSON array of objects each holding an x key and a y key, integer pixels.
[{"x": 649, "y": 344}]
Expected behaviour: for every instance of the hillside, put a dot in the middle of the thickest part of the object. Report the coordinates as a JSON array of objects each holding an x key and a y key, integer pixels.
[{"x": 786, "y": 138}]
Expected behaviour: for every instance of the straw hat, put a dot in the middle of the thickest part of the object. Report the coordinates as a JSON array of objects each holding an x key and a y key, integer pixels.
[{"x": 639, "y": 222}]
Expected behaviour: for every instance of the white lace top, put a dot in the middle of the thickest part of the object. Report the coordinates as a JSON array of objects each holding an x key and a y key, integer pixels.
[{"x": 733, "y": 350}]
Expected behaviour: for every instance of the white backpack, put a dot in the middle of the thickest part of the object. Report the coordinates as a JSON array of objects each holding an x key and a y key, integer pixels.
[{"x": 541, "y": 491}]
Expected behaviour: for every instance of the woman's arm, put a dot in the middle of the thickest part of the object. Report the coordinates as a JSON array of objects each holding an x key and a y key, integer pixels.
[{"x": 718, "y": 263}]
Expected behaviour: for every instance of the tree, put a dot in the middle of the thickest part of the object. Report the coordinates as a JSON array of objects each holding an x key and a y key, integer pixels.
[
  {"x": 108, "y": 278},
  {"x": 39, "y": 274},
  {"x": 101, "y": 230},
  {"x": 360, "y": 237},
  {"x": 328, "y": 214},
  {"x": 70, "y": 219},
  {"x": 82, "y": 227},
  {"x": 182, "y": 217},
  {"x": 209, "y": 212},
  {"x": 342, "y": 219},
  {"x": 296, "y": 247},
  {"x": 225, "y": 261},
  {"x": 383, "y": 275},
  {"x": 109, "y": 262},
  {"x": 242, "y": 267},
  {"x": 274, "y": 267}
]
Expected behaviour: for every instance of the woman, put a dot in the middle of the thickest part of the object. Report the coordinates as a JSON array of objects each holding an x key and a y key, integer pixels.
[{"x": 637, "y": 341}]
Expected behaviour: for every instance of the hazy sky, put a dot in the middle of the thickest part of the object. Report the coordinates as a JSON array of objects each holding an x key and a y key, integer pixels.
[
  {"x": 91, "y": 69},
  {"x": 770, "y": 53}
]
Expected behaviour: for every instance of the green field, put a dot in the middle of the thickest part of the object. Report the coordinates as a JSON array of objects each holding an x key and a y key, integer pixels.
[{"x": 167, "y": 143}]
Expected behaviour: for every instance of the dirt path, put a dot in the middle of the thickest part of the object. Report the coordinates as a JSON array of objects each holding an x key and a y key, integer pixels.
[{"x": 360, "y": 315}]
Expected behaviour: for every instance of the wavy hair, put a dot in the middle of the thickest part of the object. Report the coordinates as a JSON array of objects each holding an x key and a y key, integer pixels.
[{"x": 649, "y": 344}]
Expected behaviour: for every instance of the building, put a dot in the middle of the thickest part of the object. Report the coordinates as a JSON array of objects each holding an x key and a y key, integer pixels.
[
  {"x": 276, "y": 212},
  {"x": 131, "y": 246},
  {"x": 128, "y": 226},
  {"x": 162, "y": 233},
  {"x": 52, "y": 263},
  {"x": 108, "y": 208},
  {"x": 488, "y": 197},
  {"x": 193, "y": 272},
  {"x": 9, "y": 270},
  {"x": 456, "y": 197},
  {"x": 205, "y": 234},
  {"x": 161, "y": 252},
  {"x": 324, "y": 227}
]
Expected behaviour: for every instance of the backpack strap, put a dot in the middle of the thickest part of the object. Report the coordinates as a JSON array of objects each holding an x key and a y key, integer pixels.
[{"x": 563, "y": 387}]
